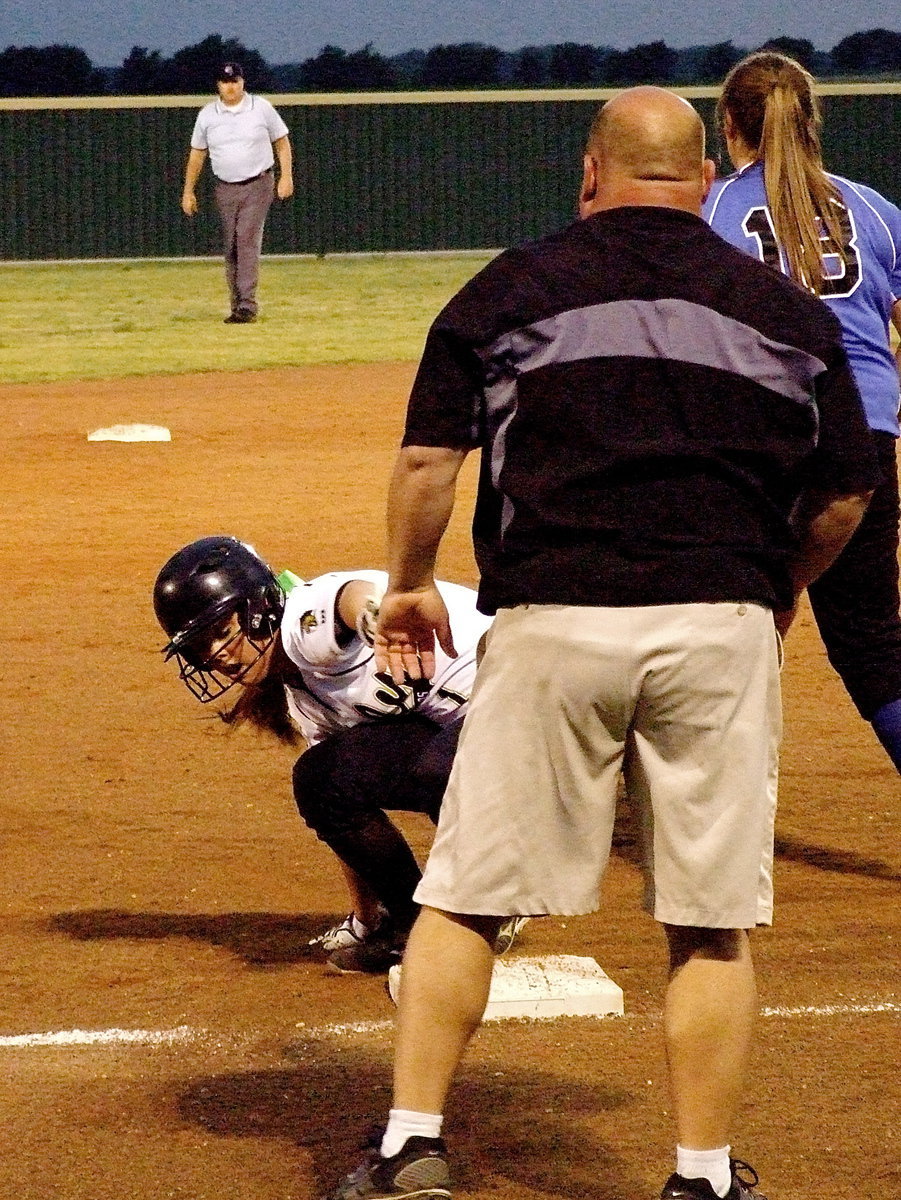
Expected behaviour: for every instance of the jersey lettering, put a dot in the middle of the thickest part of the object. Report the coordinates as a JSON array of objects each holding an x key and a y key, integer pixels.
[
  {"x": 841, "y": 263},
  {"x": 845, "y": 277},
  {"x": 394, "y": 697},
  {"x": 758, "y": 225}
]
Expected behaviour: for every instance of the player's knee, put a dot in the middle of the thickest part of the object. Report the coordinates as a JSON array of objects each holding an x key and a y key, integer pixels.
[
  {"x": 331, "y": 801},
  {"x": 310, "y": 779}
]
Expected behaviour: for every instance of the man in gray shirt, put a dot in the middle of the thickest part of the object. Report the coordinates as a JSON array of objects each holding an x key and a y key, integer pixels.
[{"x": 242, "y": 134}]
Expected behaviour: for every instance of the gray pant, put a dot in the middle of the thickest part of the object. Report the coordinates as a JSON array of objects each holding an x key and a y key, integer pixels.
[{"x": 242, "y": 209}]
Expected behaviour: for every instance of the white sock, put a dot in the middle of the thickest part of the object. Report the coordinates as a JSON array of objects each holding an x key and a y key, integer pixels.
[
  {"x": 403, "y": 1124},
  {"x": 712, "y": 1165}
]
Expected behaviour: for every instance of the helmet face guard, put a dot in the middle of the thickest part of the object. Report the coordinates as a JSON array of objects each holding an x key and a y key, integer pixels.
[
  {"x": 204, "y": 585},
  {"x": 199, "y": 672}
]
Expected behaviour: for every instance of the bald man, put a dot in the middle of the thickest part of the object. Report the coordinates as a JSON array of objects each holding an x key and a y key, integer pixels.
[{"x": 652, "y": 407}]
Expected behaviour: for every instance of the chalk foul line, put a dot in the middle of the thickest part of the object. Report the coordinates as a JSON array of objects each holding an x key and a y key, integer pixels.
[
  {"x": 186, "y": 1033},
  {"x": 833, "y": 1010},
  {"x": 101, "y": 1037}
]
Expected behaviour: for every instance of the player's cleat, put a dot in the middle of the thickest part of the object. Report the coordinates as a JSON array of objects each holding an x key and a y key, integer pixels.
[
  {"x": 508, "y": 933},
  {"x": 418, "y": 1172},
  {"x": 375, "y": 955},
  {"x": 679, "y": 1188},
  {"x": 341, "y": 935},
  {"x": 241, "y": 316}
]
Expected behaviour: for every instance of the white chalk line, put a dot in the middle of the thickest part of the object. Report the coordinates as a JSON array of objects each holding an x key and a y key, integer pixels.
[
  {"x": 833, "y": 1010},
  {"x": 186, "y": 1033},
  {"x": 352, "y": 1027},
  {"x": 101, "y": 1037}
]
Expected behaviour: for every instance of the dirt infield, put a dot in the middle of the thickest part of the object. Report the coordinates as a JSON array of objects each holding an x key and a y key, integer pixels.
[{"x": 156, "y": 877}]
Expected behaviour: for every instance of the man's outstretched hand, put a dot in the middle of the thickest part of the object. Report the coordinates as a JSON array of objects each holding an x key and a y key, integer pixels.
[{"x": 408, "y": 627}]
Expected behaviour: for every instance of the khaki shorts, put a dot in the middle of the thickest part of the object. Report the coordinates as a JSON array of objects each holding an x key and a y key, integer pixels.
[{"x": 683, "y": 700}]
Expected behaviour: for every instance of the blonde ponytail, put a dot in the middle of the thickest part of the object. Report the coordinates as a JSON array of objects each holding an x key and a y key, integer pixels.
[{"x": 772, "y": 105}]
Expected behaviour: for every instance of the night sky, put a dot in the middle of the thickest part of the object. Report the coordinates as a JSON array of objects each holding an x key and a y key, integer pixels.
[{"x": 290, "y": 31}]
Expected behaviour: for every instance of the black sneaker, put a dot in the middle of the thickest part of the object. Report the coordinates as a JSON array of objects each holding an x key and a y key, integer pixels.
[
  {"x": 344, "y": 934},
  {"x": 508, "y": 933},
  {"x": 241, "y": 316},
  {"x": 374, "y": 955},
  {"x": 418, "y": 1172},
  {"x": 677, "y": 1187}
]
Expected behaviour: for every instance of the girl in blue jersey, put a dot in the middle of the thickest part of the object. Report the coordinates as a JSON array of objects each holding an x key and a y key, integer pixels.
[{"x": 842, "y": 241}]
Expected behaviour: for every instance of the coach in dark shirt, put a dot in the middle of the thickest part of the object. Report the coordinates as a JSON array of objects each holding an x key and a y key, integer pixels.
[
  {"x": 649, "y": 411},
  {"x": 672, "y": 448}
]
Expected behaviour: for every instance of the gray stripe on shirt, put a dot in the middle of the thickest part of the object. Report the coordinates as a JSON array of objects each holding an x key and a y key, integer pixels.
[{"x": 666, "y": 329}]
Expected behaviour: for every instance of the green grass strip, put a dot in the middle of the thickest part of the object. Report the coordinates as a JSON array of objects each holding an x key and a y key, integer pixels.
[{"x": 110, "y": 320}]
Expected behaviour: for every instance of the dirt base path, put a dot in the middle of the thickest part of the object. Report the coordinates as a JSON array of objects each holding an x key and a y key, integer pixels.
[{"x": 157, "y": 880}]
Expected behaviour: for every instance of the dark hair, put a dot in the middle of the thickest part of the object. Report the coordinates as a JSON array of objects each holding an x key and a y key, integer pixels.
[
  {"x": 264, "y": 706},
  {"x": 770, "y": 102}
]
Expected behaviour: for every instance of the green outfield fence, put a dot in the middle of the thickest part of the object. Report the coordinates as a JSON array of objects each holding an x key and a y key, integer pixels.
[{"x": 101, "y": 178}]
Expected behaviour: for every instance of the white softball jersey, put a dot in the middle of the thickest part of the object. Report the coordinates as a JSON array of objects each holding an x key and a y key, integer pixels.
[{"x": 340, "y": 685}]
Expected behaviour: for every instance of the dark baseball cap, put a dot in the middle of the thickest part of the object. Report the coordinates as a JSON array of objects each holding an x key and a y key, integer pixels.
[{"x": 229, "y": 71}]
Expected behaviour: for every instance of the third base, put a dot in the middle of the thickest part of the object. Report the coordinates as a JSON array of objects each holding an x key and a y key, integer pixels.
[{"x": 559, "y": 985}]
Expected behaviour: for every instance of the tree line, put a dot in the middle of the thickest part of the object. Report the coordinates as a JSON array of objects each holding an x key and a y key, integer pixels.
[{"x": 67, "y": 70}]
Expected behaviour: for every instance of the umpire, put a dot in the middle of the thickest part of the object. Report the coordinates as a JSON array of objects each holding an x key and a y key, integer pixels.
[
  {"x": 672, "y": 448},
  {"x": 242, "y": 134}
]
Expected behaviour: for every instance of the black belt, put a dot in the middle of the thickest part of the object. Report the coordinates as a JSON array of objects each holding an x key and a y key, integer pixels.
[{"x": 252, "y": 178}]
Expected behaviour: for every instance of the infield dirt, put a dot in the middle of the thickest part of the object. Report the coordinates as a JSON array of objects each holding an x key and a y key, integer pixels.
[{"x": 156, "y": 876}]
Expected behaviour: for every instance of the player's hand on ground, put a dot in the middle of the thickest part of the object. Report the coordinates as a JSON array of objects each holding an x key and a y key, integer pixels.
[{"x": 408, "y": 626}]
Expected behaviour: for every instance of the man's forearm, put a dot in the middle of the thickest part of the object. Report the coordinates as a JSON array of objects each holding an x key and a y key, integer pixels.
[
  {"x": 285, "y": 157},
  {"x": 420, "y": 502},
  {"x": 196, "y": 159}
]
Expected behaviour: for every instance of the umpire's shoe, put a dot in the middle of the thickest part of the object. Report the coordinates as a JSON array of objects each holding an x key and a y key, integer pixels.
[
  {"x": 418, "y": 1172},
  {"x": 677, "y": 1187}
]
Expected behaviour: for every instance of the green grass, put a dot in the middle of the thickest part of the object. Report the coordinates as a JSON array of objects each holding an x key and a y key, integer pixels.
[{"x": 108, "y": 320}]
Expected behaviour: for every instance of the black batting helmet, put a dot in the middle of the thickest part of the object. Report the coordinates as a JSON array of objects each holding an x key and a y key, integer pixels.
[{"x": 203, "y": 584}]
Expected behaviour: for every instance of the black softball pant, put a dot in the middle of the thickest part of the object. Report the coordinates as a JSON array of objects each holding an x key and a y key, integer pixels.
[
  {"x": 343, "y": 785},
  {"x": 856, "y": 602}
]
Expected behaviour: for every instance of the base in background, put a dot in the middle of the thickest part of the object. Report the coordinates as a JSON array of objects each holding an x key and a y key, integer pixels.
[
  {"x": 131, "y": 433},
  {"x": 559, "y": 985}
]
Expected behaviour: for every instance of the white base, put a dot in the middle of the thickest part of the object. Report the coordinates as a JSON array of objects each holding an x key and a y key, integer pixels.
[
  {"x": 131, "y": 433},
  {"x": 557, "y": 985}
]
